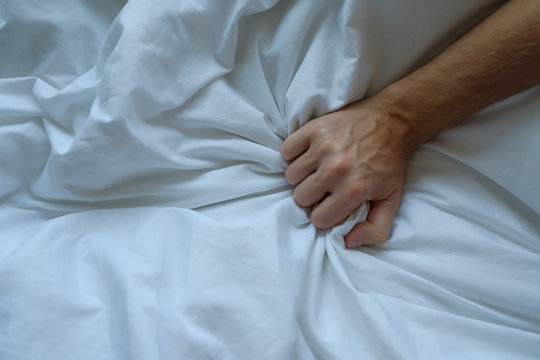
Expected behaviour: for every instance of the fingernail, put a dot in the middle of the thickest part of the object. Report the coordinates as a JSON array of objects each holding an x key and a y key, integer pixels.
[{"x": 353, "y": 244}]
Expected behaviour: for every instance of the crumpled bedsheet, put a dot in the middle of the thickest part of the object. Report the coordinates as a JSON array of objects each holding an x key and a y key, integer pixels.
[{"x": 144, "y": 213}]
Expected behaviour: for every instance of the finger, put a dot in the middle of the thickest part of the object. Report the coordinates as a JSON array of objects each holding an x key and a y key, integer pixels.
[
  {"x": 335, "y": 209},
  {"x": 296, "y": 144},
  {"x": 310, "y": 191},
  {"x": 376, "y": 229},
  {"x": 301, "y": 168}
]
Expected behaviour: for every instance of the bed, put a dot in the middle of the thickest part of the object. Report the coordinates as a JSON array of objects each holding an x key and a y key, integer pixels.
[{"x": 144, "y": 213}]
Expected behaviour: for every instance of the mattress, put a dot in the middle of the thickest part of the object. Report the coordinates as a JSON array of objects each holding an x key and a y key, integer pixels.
[{"x": 144, "y": 213}]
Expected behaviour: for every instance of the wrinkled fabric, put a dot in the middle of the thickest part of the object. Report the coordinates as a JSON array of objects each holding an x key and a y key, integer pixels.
[{"x": 144, "y": 213}]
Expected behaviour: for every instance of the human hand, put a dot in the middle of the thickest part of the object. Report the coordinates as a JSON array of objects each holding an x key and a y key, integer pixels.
[{"x": 356, "y": 154}]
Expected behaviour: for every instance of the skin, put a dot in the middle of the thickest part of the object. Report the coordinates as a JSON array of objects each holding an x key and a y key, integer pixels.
[{"x": 360, "y": 152}]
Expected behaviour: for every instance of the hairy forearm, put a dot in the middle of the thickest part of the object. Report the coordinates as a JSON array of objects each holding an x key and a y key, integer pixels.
[{"x": 496, "y": 59}]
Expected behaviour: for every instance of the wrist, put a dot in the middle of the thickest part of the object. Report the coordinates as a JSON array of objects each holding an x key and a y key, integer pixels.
[
  {"x": 423, "y": 113},
  {"x": 406, "y": 119}
]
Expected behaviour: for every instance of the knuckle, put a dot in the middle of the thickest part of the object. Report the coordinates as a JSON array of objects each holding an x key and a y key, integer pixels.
[
  {"x": 317, "y": 127},
  {"x": 320, "y": 220},
  {"x": 290, "y": 176},
  {"x": 287, "y": 148},
  {"x": 300, "y": 199},
  {"x": 285, "y": 153},
  {"x": 283, "y": 148},
  {"x": 340, "y": 166},
  {"x": 325, "y": 147},
  {"x": 354, "y": 191},
  {"x": 313, "y": 128}
]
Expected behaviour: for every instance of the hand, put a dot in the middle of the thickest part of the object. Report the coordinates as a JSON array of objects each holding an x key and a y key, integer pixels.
[{"x": 356, "y": 154}]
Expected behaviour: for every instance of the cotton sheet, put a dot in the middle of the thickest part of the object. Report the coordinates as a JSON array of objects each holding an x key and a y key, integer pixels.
[{"x": 143, "y": 208}]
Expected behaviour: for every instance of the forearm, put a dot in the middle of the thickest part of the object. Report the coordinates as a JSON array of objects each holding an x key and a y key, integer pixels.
[{"x": 496, "y": 59}]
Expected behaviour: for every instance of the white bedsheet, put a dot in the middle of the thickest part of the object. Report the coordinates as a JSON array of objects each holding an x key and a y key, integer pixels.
[{"x": 143, "y": 208}]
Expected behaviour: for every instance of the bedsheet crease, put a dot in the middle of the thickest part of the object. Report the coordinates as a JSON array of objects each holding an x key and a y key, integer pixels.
[{"x": 144, "y": 213}]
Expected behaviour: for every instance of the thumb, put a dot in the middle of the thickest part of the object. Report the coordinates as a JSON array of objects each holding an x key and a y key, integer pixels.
[{"x": 376, "y": 229}]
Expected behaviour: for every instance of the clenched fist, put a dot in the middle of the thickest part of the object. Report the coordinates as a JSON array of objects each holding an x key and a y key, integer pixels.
[{"x": 342, "y": 159}]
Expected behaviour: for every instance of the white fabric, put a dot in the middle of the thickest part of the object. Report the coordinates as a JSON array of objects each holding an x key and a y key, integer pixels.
[{"x": 144, "y": 213}]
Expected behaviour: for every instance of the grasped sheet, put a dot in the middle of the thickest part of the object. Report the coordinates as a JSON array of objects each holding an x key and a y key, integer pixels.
[{"x": 144, "y": 213}]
